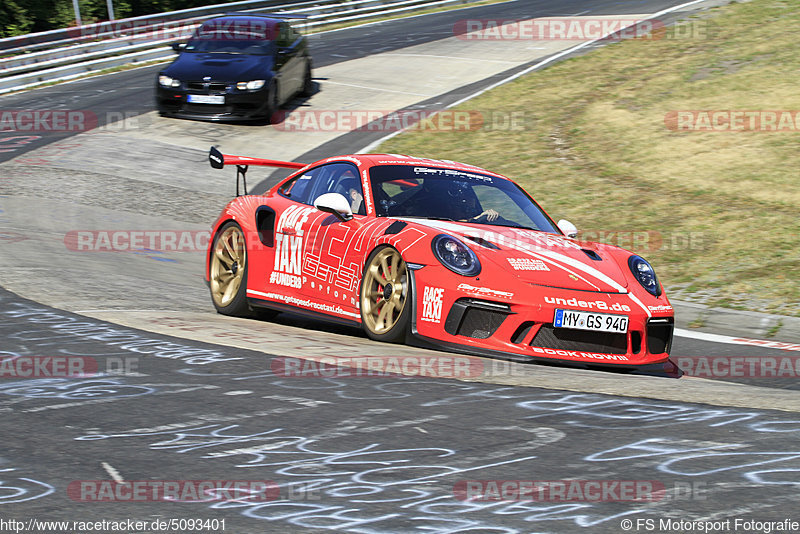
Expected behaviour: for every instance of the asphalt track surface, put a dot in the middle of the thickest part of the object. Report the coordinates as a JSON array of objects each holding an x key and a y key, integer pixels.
[{"x": 378, "y": 453}]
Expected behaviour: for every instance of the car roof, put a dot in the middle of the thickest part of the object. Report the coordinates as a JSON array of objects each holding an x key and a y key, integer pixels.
[{"x": 241, "y": 22}]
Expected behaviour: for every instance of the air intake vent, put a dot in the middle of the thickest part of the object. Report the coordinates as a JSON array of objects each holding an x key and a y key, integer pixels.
[
  {"x": 475, "y": 318},
  {"x": 636, "y": 341},
  {"x": 210, "y": 86},
  {"x": 659, "y": 335},
  {"x": 522, "y": 332},
  {"x": 592, "y": 254},
  {"x": 395, "y": 227},
  {"x": 482, "y": 242}
]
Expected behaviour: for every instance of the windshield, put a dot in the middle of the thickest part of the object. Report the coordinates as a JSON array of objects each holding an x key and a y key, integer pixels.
[
  {"x": 447, "y": 194},
  {"x": 226, "y": 42}
]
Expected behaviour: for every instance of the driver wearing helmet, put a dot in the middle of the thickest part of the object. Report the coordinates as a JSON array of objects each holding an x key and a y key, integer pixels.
[
  {"x": 349, "y": 187},
  {"x": 465, "y": 203}
]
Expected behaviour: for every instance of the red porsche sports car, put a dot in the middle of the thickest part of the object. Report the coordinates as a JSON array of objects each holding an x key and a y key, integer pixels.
[{"x": 433, "y": 252}]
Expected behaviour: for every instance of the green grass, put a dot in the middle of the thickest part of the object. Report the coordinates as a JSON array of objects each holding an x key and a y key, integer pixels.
[{"x": 722, "y": 207}]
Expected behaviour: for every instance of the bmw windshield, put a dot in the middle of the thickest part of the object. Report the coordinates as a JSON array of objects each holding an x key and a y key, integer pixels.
[
  {"x": 454, "y": 195},
  {"x": 224, "y": 42}
]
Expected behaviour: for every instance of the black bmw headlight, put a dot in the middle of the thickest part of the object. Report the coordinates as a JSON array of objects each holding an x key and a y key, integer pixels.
[
  {"x": 455, "y": 255},
  {"x": 166, "y": 81},
  {"x": 645, "y": 274}
]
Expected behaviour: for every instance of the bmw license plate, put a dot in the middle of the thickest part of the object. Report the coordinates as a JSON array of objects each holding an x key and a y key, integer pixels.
[
  {"x": 598, "y": 322},
  {"x": 206, "y": 99}
]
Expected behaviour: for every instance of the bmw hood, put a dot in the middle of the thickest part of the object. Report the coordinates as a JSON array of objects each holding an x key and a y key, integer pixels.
[
  {"x": 538, "y": 257},
  {"x": 220, "y": 67}
]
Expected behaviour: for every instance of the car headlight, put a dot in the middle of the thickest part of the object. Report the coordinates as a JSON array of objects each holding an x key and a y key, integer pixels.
[
  {"x": 644, "y": 273},
  {"x": 455, "y": 255},
  {"x": 166, "y": 81},
  {"x": 254, "y": 85}
]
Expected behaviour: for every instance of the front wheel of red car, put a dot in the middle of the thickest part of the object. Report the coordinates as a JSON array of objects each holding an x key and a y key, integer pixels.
[
  {"x": 228, "y": 271},
  {"x": 385, "y": 297}
]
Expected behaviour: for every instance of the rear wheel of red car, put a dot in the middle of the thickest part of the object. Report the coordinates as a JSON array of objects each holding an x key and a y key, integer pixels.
[
  {"x": 386, "y": 296},
  {"x": 228, "y": 271}
]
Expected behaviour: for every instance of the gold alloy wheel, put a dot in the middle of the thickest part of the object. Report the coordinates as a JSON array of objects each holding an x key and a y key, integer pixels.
[
  {"x": 385, "y": 287},
  {"x": 228, "y": 265}
]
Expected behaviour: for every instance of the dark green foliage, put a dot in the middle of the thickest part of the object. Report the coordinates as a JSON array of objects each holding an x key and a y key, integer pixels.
[{"x": 18, "y": 17}]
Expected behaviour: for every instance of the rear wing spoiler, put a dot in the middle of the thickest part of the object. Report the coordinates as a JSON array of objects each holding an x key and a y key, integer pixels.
[{"x": 218, "y": 160}]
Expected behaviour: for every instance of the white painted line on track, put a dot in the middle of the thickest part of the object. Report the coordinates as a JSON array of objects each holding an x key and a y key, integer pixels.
[
  {"x": 113, "y": 473},
  {"x": 730, "y": 340},
  {"x": 371, "y": 147}
]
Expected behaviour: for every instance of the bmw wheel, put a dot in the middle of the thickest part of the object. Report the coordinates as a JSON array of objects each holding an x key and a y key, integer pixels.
[
  {"x": 308, "y": 83},
  {"x": 273, "y": 103},
  {"x": 386, "y": 296}
]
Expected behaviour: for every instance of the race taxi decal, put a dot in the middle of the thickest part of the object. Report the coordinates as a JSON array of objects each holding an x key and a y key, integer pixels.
[
  {"x": 527, "y": 264},
  {"x": 289, "y": 246},
  {"x": 591, "y": 304},
  {"x": 432, "y": 304}
]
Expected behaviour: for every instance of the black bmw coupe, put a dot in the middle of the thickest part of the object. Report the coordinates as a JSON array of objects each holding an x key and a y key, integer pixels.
[{"x": 236, "y": 67}]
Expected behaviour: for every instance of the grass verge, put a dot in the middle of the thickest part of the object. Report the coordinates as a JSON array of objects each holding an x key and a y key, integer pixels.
[{"x": 716, "y": 212}]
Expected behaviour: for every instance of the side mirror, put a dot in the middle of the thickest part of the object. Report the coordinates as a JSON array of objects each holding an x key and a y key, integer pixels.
[
  {"x": 178, "y": 47},
  {"x": 336, "y": 204},
  {"x": 567, "y": 228}
]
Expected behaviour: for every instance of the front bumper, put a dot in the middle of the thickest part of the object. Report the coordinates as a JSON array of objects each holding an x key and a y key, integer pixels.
[
  {"x": 239, "y": 105},
  {"x": 487, "y": 321}
]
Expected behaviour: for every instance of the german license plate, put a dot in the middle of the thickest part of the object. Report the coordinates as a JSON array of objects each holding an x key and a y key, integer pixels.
[
  {"x": 598, "y": 322},
  {"x": 206, "y": 99}
]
